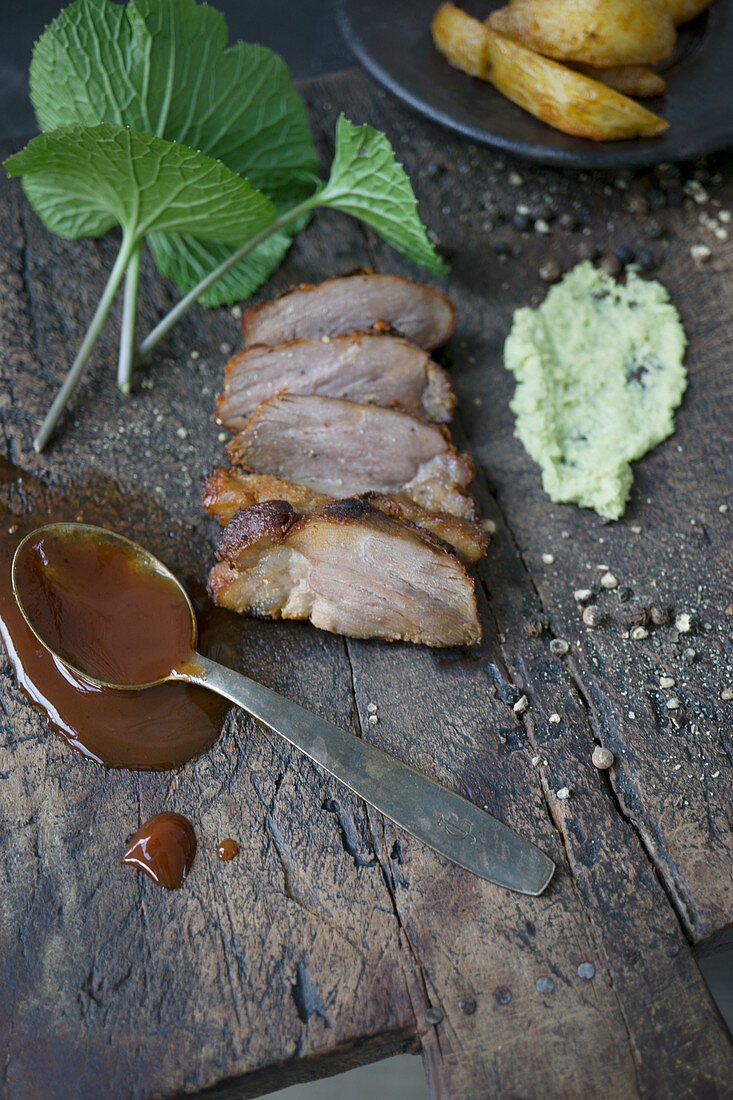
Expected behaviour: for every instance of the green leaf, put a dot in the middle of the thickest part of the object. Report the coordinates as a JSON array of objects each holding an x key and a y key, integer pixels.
[
  {"x": 367, "y": 182},
  {"x": 187, "y": 261},
  {"x": 82, "y": 180},
  {"x": 160, "y": 66}
]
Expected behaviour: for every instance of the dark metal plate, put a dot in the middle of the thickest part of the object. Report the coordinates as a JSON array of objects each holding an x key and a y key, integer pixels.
[{"x": 392, "y": 40}]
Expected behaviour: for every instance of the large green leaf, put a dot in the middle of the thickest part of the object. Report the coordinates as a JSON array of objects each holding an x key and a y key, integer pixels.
[
  {"x": 367, "y": 182},
  {"x": 161, "y": 66},
  {"x": 187, "y": 261},
  {"x": 82, "y": 180}
]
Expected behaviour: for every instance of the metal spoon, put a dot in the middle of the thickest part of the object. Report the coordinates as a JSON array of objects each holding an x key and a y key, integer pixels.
[{"x": 432, "y": 813}]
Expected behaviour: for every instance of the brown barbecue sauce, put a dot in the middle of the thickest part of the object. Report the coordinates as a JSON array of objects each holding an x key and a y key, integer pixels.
[
  {"x": 160, "y": 727},
  {"x": 227, "y": 849},
  {"x": 163, "y": 848},
  {"x": 92, "y": 603}
]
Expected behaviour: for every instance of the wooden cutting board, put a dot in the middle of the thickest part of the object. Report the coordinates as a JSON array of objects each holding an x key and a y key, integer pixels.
[{"x": 326, "y": 942}]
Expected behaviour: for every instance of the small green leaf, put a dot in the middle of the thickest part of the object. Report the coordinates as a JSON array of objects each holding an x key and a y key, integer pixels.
[
  {"x": 367, "y": 182},
  {"x": 82, "y": 180},
  {"x": 161, "y": 67}
]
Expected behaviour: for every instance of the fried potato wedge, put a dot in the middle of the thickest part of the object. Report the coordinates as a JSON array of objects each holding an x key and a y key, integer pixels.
[
  {"x": 565, "y": 99},
  {"x": 463, "y": 40},
  {"x": 684, "y": 10},
  {"x": 628, "y": 79},
  {"x": 603, "y": 33}
]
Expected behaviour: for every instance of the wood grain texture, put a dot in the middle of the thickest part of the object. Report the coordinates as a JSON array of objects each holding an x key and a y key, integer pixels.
[{"x": 328, "y": 938}]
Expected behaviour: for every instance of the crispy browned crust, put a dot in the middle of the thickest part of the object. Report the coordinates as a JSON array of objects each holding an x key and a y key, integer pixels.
[
  {"x": 261, "y": 525},
  {"x": 250, "y": 314},
  {"x": 361, "y": 511},
  {"x": 227, "y": 490},
  {"x": 271, "y": 522},
  {"x": 465, "y": 538}
]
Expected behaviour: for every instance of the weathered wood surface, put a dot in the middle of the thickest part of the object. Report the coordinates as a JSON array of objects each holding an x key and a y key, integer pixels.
[{"x": 328, "y": 938}]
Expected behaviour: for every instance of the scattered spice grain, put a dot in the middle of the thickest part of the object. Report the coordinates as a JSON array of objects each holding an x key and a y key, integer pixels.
[
  {"x": 593, "y": 615},
  {"x": 602, "y": 758},
  {"x": 550, "y": 271}
]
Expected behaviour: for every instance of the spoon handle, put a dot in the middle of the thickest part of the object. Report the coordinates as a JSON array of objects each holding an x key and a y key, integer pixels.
[{"x": 432, "y": 813}]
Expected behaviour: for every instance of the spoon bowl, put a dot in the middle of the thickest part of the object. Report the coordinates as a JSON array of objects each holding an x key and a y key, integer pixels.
[
  {"x": 46, "y": 550},
  {"x": 116, "y": 616}
]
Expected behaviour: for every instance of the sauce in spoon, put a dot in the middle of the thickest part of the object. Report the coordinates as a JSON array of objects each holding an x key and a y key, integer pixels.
[
  {"x": 161, "y": 727},
  {"x": 94, "y": 604}
]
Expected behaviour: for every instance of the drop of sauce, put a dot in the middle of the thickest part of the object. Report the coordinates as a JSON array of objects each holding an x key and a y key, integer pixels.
[
  {"x": 164, "y": 848},
  {"x": 92, "y": 602},
  {"x": 160, "y": 727},
  {"x": 227, "y": 849}
]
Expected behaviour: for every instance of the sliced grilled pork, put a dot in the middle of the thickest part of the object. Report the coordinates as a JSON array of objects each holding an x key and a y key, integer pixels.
[
  {"x": 353, "y": 303},
  {"x": 343, "y": 448},
  {"x": 347, "y": 567},
  {"x": 381, "y": 369},
  {"x": 226, "y": 491}
]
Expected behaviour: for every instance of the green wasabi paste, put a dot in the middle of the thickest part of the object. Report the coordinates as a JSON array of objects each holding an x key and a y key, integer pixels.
[{"x": 599, "y": 372}]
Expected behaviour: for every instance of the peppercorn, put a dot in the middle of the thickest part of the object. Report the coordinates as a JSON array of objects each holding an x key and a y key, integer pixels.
[{"x": 624, "y": 254}]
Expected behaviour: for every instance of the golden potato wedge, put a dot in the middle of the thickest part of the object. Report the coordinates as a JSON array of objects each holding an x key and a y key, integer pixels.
[
  {"x": 565, "y": 99},
  {"x": 684, "y": 10},
  {"x": 629, "y": 79},
  {"x": 603, "y": 33},
  {"x": 461, "y": 39}
]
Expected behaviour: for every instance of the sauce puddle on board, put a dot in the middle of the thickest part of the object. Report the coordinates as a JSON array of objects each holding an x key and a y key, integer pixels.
[
  {"x": 160, "y": 727},
  {"x": 164, "y": 848}
]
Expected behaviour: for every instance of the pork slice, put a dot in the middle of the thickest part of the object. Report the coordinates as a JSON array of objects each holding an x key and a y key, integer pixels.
[
  {"x": 353, "y": 303},
  {"x": 379, "y": 369},
  {"x": 465, "y": 538},
  {"x": 343, "y": 448},
  {"x": 347, "y": 567},
  {"x": 227, "y": 490}
]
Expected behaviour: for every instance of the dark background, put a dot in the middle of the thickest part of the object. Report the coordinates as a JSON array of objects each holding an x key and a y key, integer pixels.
[{"x": 304, "y": 32}]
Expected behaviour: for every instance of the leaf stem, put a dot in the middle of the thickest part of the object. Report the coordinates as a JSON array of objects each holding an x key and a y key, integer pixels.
[
  {"x": 129, "y": 311},
  {"x": 82, "y": 357},
  {"x": 188, "y": 300}
]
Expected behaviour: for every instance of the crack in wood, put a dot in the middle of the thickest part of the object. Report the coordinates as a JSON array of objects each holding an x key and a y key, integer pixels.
[{"x": 673, "y": 889}]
